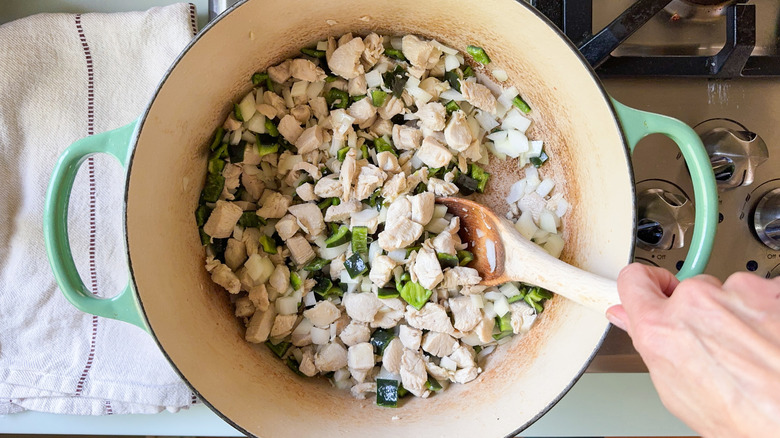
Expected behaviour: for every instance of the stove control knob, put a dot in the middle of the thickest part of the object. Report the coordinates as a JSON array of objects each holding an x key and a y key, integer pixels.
[
  {"x": 735, "y": 152},
  {"x": 664, "y": 218},
  {"x": 766, "y": 219}
]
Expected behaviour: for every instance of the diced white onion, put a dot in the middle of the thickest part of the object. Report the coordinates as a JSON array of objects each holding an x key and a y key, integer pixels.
[
  {"x": 247, "y": 106},
  {"x": 554, "y": 245},
  {"x": 439, "y": 211},
  {"x": 315, "y": 88},
  {"x": 491, "y": 147},
  {"x": 332, "y": 253},
  {"x": 489, "y": 310},
  {"x": 525, "y": 225},
  {"x": 382, "y": 215},
  {"x": 398, "y": 255},
  {"x": 374, "y": 250},
  {"x": 445, "y": 49},
  {"x": 536, "y": 148},
  {"x": 451, "y": 62},
  {"x": 515, "y": 120},
  {"x": 561, "y": 208},
  {"x": 288, "y": 100},
  {"x": 487, "y": 121},
  {"x": 486, "y": 351},
  {"x": 345, "y": 278},
  {"x": 322, "y": 45},
  {"x": 320, "y": 240},
  {"x": 477, "y": 300},
  {"x": 303, "y": 328},
  {"x": 451, "y": 94},
  {"x": 497, "y": 136},
  {"x": 373, "y": 79},
  {"x": 299, "y": 89},
  {"x": 500, "y": 75},
  {"x": 365, "y": 284},
  {"x": 256, "y": 124},
  {"x": 259, "y": 268},
  {"x": 509, "y": 290},
  {"x": 515, "y": 144},
  {"x": 501, "y": 306},
  {"x": 247, "y": 136},
  {"x": 540, "y": 237},
  {"x": 545, "y": 187},
  {"x": 516, "y": 192},
  {"x": 341, "y": 375},
  {"x": 287, "y": 306},
  {"x": 413, "y": 82},
  {"x": 448, "y": 364},
  {"x": 286, "y": 162},
  {"x": 420, "y": 96},
  {"x": 547, "y": 221},
  {"x": 472, "y": 338},
  {"x": 506, "y": 96},
  {"x": 320, "y": 336},
  {"x": 438, "y": 225},
  {"x": 396, "y": 43},
  {"x": 493, "y": 295},
  {"x": 235, "y": 137},
  {"x": 309, "y": 300}
]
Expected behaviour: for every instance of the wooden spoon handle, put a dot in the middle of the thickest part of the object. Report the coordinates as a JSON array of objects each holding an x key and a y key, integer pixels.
[{"x": 527, "y": 262}]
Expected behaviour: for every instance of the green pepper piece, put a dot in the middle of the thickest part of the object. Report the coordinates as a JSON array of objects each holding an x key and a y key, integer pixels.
[
  {"x": 447, "y": 260},
  {"x": 382, "y": 145},
  {"x": 387, "y": 393},
  {"x": 378, "y": 98},
  {"x": 465, "y": 257},
  {"x": 395, "y": 54},
  {"x": 331, "y": 79},
  {"x": 502, "y": 335},
  {"x": 380, "y": 339},
  {"x": 538, "y": 161},
  {"x": 278, "y": 349},
  {"x": 205, "y": 239},
  {"x": 327, "y": 202},
  {"x": 237, "y": 112},
  {"x": 414, "y": 294},
  {"x": 217, "y": 138},
  {"x": 387, "y": 292},
  {"x": 468, "y": 72},
  {"x": 504, "y": 323},
  {"x": 364, "y": 151},
  {"x": 521, "y": 105},
  {"x": 258, "y": 78},
  {"x": 451, "y": 107},
  {"x": 478, "y": 53},
  {"x": 202, "y": 214},
  {"x": 236, "y": 152},
  {"x": 339, "y": 237},
  {"x": 454, "y": 79},
  {"x": 412, "y": 248},
  {"x": 316, "y": 264},
  {"x": 314, "y": 53},
  {"x": 264, "y": 150},
  {"x": 358, "y": 97},
  {"x": 293, "y": 365},
  {"x": 270, "y": 128},
  {"x": 250, "y": 219},
  {"x": 341, "y": 155},
  {"x": 529, "y": 300},
  {"x": 375, "y": 200},
  {"x": 323, "y": 286},
  {"x": 295, "y": 280},
  {"x": 433, "y": 384},
  {"x": 213, "y": 187},
  {"x": 268, "y": 244},
  {"x": 360, "y": 241},
  {"x": 355, "y": 265},
  {"x": 480, "y": 175},
  {"x": 337, "y": 98}
]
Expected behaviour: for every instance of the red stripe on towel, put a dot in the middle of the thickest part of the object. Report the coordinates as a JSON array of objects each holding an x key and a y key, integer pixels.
[
  {"x": 92, "y": 199},
  {"x": 193, "y": 19}
]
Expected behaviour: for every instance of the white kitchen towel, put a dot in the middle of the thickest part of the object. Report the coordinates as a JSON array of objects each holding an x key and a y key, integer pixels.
[{"x": 63, "y": 77}]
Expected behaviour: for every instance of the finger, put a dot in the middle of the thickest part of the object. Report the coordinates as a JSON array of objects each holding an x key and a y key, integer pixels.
[
  {"x": 618, "y": 317},
  {"x": 644, "y": 288}
]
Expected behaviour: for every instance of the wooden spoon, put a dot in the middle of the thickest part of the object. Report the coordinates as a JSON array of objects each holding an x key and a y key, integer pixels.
[{"x": 501, "y": 254}]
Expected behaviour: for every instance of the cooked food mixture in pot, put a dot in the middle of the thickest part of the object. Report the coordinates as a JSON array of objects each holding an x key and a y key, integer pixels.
[{"x": 318, "y": 213}]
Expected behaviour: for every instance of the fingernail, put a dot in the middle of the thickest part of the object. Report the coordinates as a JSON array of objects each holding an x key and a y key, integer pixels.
[{"x": 616, "y": 321}]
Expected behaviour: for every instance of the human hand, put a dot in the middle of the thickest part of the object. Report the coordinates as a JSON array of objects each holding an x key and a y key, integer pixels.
[{"x": 712, "y": 349}]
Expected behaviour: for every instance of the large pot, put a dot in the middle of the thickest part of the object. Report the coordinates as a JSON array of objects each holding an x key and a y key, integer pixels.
[{"x": 169, "y": 294}]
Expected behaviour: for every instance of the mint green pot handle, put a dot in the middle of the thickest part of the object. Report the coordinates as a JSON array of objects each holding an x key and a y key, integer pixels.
[
  {"x": 124, "y": 306},
  {"x": 639, "y": 124}
]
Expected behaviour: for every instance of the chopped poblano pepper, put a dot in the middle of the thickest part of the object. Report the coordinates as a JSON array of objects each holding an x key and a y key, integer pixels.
[
  {"x": 327, "y": 202},
  {"x": 409, "y": 252},
  {"x": 360, "y": 241},
  {"x": 402, "y": 392},
  {"x": 314, "y": 53},
  {"x": 217, "y": 138},
  {"x": 451, "y": 106},
  {"x": 468, "y": 72},
  {"x": 202, "y": 214},
  {"x": 433, "y": 384},
  {"x": 342, "y": 153},
  {"x": 364, "y": 151},
  {"x": 380, "y": 339},
  {"x": 334, "y": 291},
  {"x": 375, "y": 200},
  {"x": 258, "y": 78},
  {"x": 358, "y": 97},
  {"x": 278, "y": 349},
  {"x": 378, "y": 98},
  {"x": 453, "y": 78},
  {"x": 237, "y": 112},
  {"x": 339, "y": 237},
  {"x": 250, "y": 219},
  {"x": 295, "y": 280},
  {"x": 387, "y": 292},
  {"x": 414, "y": 294},
  {"x": 538, "y": 307},
  {"x": 268, "y": 244},
  {"x": 396, "y": 54},
  {"x": 271, "y": 128},
  {"x": 213, "y": 187},
  {"x": 387, "y": 393},
  {"x": 265, "y": 149},
  {"x": 396, "y": 80},
  {"x": 219, "y": 246},
  {"x": 521, "y": 105},
  {"x": 466, "y": 184},
  {"x": 480, "y": 175},
  {"x": 504, "y": 323},
  {"x": 355, "y": 265},
  {"x": 502, "y": 335},
  {"x": 382, "y": 145},
  {"x": 516, "y": 298},
  {"x": 316, "y": 264},
  {"x": 421, "y": 188},
  {"x": 465, "y": 257},
  {"x": 541, "y": 159},
  {"x": 323, "y": 286},
  {"x": 337, "y": 98},
  {"x": 478, "y": 53},
  {"x": 293, "y": 365},
  {"x": 205, "y": 239},
  {"x": 447, "y": 260},
  {"x": 236, "y": 152}
]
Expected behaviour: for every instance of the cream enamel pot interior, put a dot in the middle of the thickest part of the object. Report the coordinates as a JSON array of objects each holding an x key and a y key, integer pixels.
[{"x": 170, "y": 293}]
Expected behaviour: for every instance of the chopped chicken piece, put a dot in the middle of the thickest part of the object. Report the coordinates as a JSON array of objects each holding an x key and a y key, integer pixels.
[
  {"x": 309, "y": 218},
  {"x": 361, "y": 356},
  {"x": 276, "y": 101},
  {"x": 268, "y": 110},
  {"x": 368, "y": 218},
  {"x": 382, "y": 270},
  {"x": 401, "y": 234},
  {"x": 283, "y": 325},
  {"x": 274, "y": 205},
  {"x": 231, "y": 173},
  {"x": 260, "y": 326},
  {"x": 427, "y": 268},
  {"x": 251, "y": 238},
  {"x": 348, "y": 173},
  {"x": 436, "y": 371},
  {"x": 463, "y": 356},
  {"x": 362, "y": 110},
  {"x": 439, "y": 344},
  {"x": 389, "y": 315},
  {"x": 422, "y": 207},
  {"x": 388, "y": 162},
  {"x": 413, "y": 373},
  {"x": 400, "y": 208},
  {"x": 394, "y": 187},
  {"x": 287, "y": 226},
  {"x": 457, "y": 133},
  {"x": 300, "y": 250},
  {"x": 280, "y": 278},
  {"x": 329, "y": 187},
  {"x": 259, "y": 297},
  {"x": 420, "y": 53},
  {"x": 460, "y": 276},
  {"x": 359, "y": 391},
  {"x": 306, "y": 70},
  {"x": 223, "y": 220},
  {"x": 302, "y": 113},
  {"x": 322, "y": 314},
  {"x": 290, "y": 128},
  {"x": 345, "y": 60},
  {"x": 432, "y": 116},
  {"x": 343, "y": 211},
  {"x": 439, "y": 187},
  {"x": 407, "y": 137},
  {"x": 319, "y": 106},
  {"x": 523, "y": 316},
  {"x": 235, "y": 253},
  {"x": 337, "y": 266},
  {"x": 392, "y": 107},
  {"x": 309, "y": 140},
  {"x": 281, "y": 72},
  {"x": 409, "y": 336},
  {"x": 465, "y": 313},
  {"x": 359, "y": 375},
  {"x": 306, "y": 192},
  {"x": 330, "y": 357},
  {"x": 444, "y": 242},
  {"x": 433, "y": 153},
  {"x": 223, "y": 276},
  {"x": 391, "y": 359},
  {"x": 361, "y": 307},
  {"x": 357, "y": 86},
  {"x": 431, "y": 317},
  {"x": 374, "y": 49},
  {"x": 465, "y": 375},
  {"x": 232, "y": 123},
  {"x": 478, "y": 95},
  {"x": 253, "y": 185},
  {"x": 381, "y": 128},
  {"x": 307, "y": 363},
  {"x": 369, "y": 179},
  {"x": 355, "y": 333},
  {"x": 484, "y": 330}
]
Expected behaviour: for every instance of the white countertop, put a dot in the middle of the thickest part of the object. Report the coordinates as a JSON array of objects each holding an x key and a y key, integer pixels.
[{"x": 598, "y": 405}]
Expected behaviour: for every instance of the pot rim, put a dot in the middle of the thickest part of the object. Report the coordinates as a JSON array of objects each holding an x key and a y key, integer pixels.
[{"x": 142, "y": 119}]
